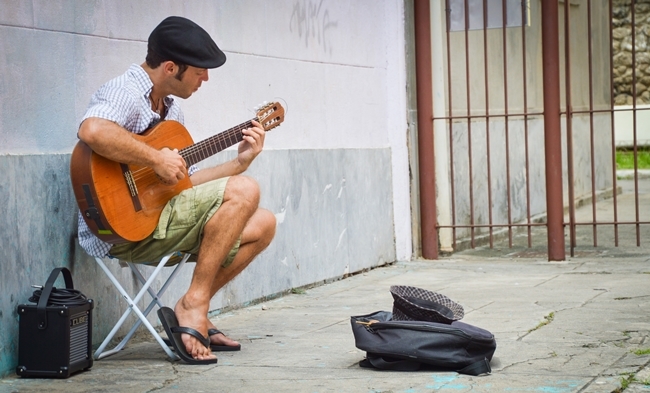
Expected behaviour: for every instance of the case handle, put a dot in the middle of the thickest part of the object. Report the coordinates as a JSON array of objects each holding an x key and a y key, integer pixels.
[{"x": 47, "y": 290}]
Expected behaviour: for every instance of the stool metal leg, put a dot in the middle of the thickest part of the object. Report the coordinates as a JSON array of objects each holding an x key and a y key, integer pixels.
[
  {"x": 132, "y": 307},
  {"x": 155, "y": 300}
]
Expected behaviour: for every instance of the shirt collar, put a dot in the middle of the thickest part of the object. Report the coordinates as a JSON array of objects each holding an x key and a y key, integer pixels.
[
  {"x": 144, "y": 83},
  {"x": 141, "y": 78}
]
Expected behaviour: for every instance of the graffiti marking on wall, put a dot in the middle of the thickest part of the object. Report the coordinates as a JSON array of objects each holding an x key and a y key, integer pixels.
[{"x": 311, "y": 22}]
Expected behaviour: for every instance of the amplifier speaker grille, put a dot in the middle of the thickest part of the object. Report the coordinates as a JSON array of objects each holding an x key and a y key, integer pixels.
[{"x": 79, "y": 338}]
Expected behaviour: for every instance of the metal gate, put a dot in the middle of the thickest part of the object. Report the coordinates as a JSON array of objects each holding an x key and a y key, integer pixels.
[{"x": 529, "y": 102}]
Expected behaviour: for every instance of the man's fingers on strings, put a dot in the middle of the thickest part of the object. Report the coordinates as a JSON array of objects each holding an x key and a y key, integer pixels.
[
  {"x": 184, "y": 163},
  {"x": 255, "y": 133}
]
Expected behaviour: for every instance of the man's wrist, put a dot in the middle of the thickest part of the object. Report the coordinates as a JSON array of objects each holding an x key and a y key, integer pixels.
[{"x": 238, "y": 166}]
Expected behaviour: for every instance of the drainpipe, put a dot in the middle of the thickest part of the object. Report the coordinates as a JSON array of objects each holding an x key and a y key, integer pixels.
[
  {"x": 426, "y": 164},
  {"x": 552, "y": 131}
]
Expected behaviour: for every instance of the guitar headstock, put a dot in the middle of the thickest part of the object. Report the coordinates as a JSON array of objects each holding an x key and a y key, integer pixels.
[{"x": 270, "y": 115}]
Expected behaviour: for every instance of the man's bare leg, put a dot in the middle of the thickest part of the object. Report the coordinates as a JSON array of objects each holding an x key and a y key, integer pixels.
[
  {"x": 257, "y": 235},
  {"x": 240, "y": 202}
]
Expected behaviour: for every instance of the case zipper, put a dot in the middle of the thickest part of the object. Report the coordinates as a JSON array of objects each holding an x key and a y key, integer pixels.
[{"x": 377, "y": 325}]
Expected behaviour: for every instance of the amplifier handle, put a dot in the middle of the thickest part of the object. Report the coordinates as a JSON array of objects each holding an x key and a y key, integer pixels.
[{"x": 47, "y": 290}]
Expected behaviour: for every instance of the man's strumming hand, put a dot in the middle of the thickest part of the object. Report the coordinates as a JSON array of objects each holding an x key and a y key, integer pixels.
[{"x": 170, "y": 166}]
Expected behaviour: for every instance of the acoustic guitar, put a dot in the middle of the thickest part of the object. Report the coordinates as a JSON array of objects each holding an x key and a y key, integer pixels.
[{"x": 122, "y": 203}]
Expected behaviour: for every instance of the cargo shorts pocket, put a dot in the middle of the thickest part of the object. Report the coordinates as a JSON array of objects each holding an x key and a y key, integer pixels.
[{"x": 180, "y": 212}]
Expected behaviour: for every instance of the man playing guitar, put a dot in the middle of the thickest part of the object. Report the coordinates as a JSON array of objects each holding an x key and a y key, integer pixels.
[{"x": 217, "y": 219}]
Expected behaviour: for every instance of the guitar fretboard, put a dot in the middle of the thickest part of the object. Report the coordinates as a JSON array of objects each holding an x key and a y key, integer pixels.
[{"x": 213, "y": 145}]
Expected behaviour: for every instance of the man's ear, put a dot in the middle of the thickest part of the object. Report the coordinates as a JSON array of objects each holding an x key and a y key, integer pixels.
[{"x": 169, "y": 67}]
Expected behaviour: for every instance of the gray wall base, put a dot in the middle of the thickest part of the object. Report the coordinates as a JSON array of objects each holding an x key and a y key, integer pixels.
[{"x": 335, "y": 217}]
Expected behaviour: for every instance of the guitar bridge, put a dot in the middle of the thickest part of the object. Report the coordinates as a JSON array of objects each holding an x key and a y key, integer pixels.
[
  {"x": 133, "y": 189},
  {"x": 128, "y": 176}
]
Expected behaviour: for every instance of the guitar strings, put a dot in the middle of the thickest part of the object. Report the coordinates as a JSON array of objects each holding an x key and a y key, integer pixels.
[
  {"x": 190, "y": 151},
  {"x": 217, "y": 139},
  {"x": 200, "y": 147}
]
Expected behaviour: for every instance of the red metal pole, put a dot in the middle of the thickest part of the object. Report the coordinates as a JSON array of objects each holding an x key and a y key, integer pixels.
[
  {"x": 552, "y": 131},
  {"x": 426, "y": 163}
]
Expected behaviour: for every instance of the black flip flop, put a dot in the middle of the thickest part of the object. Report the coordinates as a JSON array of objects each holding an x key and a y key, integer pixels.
[
  {"x": 222, "y": 348},
  {"x": 170, "y": 323},
  {"x": 213, "y": 347}
]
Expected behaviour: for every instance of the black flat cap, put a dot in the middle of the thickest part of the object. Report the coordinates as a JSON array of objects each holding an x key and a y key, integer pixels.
[{"x": 184, "y": 42}]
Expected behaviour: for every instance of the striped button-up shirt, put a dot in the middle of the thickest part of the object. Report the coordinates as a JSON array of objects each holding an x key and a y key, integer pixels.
[{"x": 125, "y": 101}]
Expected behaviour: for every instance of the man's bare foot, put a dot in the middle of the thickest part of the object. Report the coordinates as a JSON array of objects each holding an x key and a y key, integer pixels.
[
  {"x": 220, "y": 338},
  {"x": 196, "y": 318}
]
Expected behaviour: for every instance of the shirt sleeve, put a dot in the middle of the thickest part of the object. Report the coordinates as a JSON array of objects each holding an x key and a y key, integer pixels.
[
  {"x": 116, "y": 105},
  {"x": 192, "y": 170}
]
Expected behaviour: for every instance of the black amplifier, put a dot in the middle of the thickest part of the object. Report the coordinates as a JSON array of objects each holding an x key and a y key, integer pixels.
[{"x": 55, "y": 335}]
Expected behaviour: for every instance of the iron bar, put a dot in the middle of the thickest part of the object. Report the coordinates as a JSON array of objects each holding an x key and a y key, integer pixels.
[
  {"x": 527, "y": 114},
  {"x": 591, "y": 125},
  {"x": 451, "y": 126},
  {"x": 609, "y": 110},
  {"x": 469, "y": 124},
  {"x": 504, "y": 8},
  {"x": 634, "y": 123},
  {"x": 525, "y": 93},
  {"x": 614, "y": 223},
  {"x": 465, "y": 117},
  {"x": 487, "y": 121},
  {"x": 613, "y": 123},
  {"x": 542, "y": 224},
  {"x": 569, "y": 126}
]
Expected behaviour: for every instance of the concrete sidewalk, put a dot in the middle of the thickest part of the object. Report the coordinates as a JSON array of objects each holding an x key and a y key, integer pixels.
[{"x": 560, "y": 327}]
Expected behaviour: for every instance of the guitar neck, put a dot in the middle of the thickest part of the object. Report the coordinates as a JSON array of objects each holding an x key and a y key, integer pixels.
[{"x": 213, "y": 145}]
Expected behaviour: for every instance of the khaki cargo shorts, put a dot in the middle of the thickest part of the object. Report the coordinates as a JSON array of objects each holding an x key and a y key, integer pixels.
[{"x": 180, "y": 227}]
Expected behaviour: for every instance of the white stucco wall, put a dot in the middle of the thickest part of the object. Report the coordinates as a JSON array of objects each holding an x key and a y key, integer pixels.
[{"x": 339, "y": 66}]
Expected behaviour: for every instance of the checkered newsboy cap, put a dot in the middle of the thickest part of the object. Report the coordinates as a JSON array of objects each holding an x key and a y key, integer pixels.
[
  {"x": 184, "y": 42},
  {"x": 417, "y": 304}
]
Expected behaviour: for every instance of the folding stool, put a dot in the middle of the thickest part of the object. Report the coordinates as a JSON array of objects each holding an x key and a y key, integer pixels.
[{"x": 133, "y": 307}]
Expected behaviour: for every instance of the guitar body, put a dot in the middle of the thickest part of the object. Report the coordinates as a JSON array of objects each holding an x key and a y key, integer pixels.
[{"x": 111, "y": 210}]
